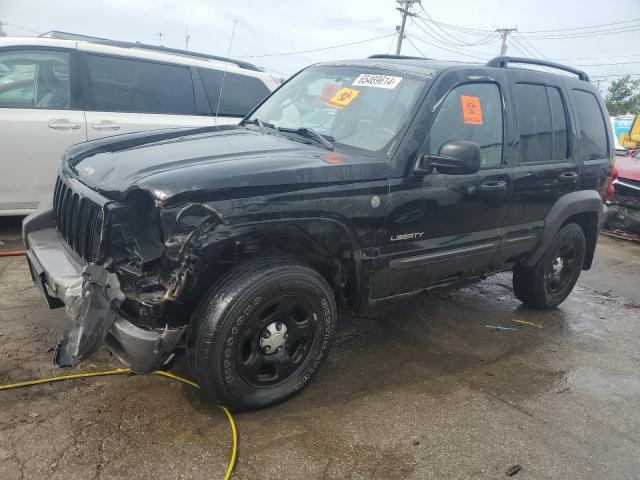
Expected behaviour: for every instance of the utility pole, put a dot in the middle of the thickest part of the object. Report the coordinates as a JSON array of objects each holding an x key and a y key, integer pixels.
[
  {"x": 160, "y": 38},
  {"x": 2, "y": 32},
  {"x": 505, "y": 33},
  {"x": 404, "y": 8},
  {"x": 186, "y": 37}
]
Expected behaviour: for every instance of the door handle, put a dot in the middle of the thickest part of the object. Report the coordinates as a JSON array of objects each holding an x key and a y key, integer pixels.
[
  {"x": 105, "y": 126},
  {"x": 494, "y": 186},
  {"x": 63, "y": 125},
  {"x": 568, "y": 177}
]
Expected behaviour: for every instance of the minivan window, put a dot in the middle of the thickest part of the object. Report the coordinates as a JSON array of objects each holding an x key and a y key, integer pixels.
[
  {"x": 124, "y": 85},
  {"x": 593, "y": 133},
  {"x": 471, "y": 112},
  {"x": 34, "y": 79},
  {"x": 240, "y": 93}
]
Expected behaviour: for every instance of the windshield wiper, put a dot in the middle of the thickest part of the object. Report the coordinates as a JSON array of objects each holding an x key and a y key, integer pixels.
[
  {"x": 309, "y": 132},
  {"x": 261, "y": 125}
]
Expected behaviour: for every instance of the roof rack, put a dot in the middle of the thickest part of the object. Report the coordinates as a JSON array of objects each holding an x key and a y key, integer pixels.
[
  {"x": 145, "y": 46},
  {"x": 406, "y": 57},
  {"x": 502, "y": 62}
]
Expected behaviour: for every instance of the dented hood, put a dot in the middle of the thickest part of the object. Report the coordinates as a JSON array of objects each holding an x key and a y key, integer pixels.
[{"x": 167, "y": 163}]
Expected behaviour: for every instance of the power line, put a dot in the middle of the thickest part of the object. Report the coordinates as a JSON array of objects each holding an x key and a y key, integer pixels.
[
  {"x": 435, "y": 38},
  {"x": 533, "y": 47},
  {"x": 583, "y": 27},
  {"x": 446, "y": 49},
  {"x": 21, "y": 28},
  {"x": 456, "y": 41},
  {"x": 414, "y": 46},
  {"x": 598, "y": 33},
  {"x": 318, "y": 49}
]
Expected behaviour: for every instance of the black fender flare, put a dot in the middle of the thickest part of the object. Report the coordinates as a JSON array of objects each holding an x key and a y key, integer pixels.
[{"x": 583, "y": 201}]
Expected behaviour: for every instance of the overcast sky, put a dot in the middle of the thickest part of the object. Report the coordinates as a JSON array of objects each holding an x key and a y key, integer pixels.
[{"x": 265, "y": 28}]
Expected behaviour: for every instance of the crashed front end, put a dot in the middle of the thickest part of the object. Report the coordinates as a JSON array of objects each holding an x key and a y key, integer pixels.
[
  {"x": 108, "y": 264},
  {"x": 624, "y": 208}
]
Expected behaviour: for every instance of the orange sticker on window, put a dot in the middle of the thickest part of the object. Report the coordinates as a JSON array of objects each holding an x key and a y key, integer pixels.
[
  {"x": 343, "y": 98},
  {"x": 471, "y": 111}
]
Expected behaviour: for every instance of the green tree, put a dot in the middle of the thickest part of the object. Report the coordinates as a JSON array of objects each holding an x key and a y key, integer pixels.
[{"x": 623, "y": 96}]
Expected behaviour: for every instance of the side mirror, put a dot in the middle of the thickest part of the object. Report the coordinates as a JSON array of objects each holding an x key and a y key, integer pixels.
[{"x": 458, "y": 157}]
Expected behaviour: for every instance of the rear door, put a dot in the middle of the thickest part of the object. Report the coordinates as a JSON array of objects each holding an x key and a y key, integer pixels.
[
  {"x": 40, "y": 117},
  {"x": 125, "y": 95},
  {"x": 548, "y": 160}
]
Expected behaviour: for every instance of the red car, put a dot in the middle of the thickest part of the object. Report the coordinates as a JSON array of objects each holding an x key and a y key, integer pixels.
[{"x": 624, "y": 203}]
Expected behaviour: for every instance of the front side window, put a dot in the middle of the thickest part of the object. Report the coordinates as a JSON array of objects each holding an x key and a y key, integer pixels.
[
  {"x": 124, "y": 85},
  {"x": 34, "y": 79},
  {"x": 471, "y": 112},
  {"x": 359, "y": 109},
  {"x": 240, "y": 93},
  {"x": 593, "y": 132}
]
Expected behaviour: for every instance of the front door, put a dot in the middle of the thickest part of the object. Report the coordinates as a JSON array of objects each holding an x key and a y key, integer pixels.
[
  {"x": 446, "y": 228},
  {"x": 40, "y": 117}
]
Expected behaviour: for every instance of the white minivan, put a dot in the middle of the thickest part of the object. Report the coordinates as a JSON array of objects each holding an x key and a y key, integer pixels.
[{"x": 56, "y": 92}]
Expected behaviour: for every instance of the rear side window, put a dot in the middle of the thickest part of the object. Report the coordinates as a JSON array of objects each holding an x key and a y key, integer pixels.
[
  {"x": 34, "y": 79},
  {"x": 240, "y": 93},
  {"x": 542, "y": 123},
  {"x": 559, "y": 121},
  {"x": 123, "y": 85},
  {"x": 593, "y": 133},
  {"x": 471, "y": 112}
]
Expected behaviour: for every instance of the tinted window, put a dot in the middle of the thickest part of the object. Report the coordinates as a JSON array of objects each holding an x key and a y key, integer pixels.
[
  {"x": 560, "y": 134},
  {"x": 34, "y": 79},
  {"x": 534, "y": 123},
  {"x": 240, "y": 93},
  {"x": 471, "y": 112},
  {"x": 122, "y": 85},
  {"x": 593, "y": 133}
]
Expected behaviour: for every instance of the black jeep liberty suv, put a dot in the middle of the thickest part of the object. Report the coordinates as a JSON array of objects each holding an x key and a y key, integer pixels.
[{"x": 355, "y": 182}]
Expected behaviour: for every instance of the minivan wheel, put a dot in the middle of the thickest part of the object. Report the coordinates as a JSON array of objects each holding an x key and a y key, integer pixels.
[
  {"x": 261, "y": 333},
  {"x": 548, "y": 283}
]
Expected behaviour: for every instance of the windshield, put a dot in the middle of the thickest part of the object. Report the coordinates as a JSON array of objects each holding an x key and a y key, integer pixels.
[{"x": 357, "y": 108}]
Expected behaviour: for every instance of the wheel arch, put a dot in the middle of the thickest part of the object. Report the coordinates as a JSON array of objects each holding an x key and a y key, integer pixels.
[
  {"x": 325, "y": 245},
  {"x": 584, "y": 208}
]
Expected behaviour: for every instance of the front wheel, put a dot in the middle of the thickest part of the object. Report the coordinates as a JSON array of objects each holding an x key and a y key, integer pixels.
[
  {"x": 261, "y": 333},
  {"x": 548, "y": 283}
]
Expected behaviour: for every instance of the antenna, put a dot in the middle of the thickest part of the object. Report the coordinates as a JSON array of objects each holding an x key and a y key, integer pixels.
[{"x": 225, "y": 68}]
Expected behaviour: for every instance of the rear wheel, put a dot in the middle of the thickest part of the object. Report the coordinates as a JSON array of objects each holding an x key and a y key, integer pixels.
[
  {"x": 548, "y": 283},
  {"x": 261, "y": 333}
]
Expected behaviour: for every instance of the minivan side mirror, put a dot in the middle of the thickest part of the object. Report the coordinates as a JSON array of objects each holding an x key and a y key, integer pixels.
[{"x": 457, "y": 157}]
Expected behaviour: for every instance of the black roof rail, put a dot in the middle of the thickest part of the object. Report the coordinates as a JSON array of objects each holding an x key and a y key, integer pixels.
[
  {"x": 405, "y": 57},
  {"x": 144, "y": 46},
  {"x": 502, "y": 62}
]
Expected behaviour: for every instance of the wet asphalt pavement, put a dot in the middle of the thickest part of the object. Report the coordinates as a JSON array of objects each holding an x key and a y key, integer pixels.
[{"x": 420, "y": 389}]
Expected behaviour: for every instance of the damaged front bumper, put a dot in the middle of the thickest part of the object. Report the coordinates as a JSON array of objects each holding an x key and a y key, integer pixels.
[
  {"x": 624, "y": 208},
  {"x": 92, "y": 298}
]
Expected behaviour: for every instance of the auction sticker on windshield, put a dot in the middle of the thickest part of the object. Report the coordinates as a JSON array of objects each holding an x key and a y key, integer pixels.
[
  {"x": 378, "y": 81},
  {"x": 343, "y": 98}
]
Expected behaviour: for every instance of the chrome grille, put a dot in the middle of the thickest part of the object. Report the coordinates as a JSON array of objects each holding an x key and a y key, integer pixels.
[{"x": 78, "y": 220}]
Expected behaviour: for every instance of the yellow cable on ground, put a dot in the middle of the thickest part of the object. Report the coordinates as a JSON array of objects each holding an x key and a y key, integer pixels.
[{"x": 122, "y": 371}]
